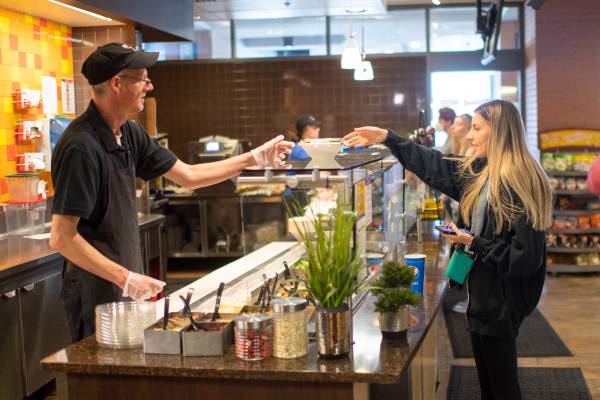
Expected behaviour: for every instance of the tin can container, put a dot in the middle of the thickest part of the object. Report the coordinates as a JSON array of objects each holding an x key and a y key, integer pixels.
[{"x": 253, "y": 336}]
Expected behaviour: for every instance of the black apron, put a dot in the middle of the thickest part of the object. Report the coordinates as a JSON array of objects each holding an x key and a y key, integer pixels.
[{"x": 117, "y": 238}]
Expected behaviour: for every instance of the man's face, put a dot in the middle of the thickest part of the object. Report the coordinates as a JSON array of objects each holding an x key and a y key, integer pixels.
[
  {"x": 133, "y": 87},
  {"x": 445, "y": 124}
]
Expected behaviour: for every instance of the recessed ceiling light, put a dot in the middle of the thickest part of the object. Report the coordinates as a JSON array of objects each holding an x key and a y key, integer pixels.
[
  {"x": 81, "y": 10},
  {"x": 436, "y": 2}
]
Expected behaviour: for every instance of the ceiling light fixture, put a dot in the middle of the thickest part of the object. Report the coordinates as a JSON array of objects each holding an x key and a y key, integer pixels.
[
  {"x": 81, "y": 10},
  {"x": 364, "y": 72},
  {"x": 436, "y": 2},
  {"x": 351, "y": 58}
]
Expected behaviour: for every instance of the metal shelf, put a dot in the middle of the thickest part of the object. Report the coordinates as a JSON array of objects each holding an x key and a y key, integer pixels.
[
  {"x": 575, "y": 213},
  {"x": 571, "y": 268},
  {"x": 574, "y": 231},
  {"x": 581, "y": 174},
  {"x": 569, "y": 250},
  {"x": 197, "y": 254},
  {"x": 564, "y": 192}
]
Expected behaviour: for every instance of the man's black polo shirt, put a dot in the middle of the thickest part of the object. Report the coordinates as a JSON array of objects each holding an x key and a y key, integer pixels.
[{"x": 79, "y": 164}]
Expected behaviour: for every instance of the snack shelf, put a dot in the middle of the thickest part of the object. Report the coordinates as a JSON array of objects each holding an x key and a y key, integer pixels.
[
  {"x": 563, "y": 192},
  {"x": 572, "y": 268},
  {"x": 573, "y": 250},
  {"x": 574, "y": 213},
  {"x": 575, "y": 174},
  {"x": 576, "y": 231}
]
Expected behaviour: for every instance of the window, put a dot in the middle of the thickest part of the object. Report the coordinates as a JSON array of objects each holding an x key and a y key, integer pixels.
[
  {"x": 400, "y": 31},
  {"x": 212, "y": 40},
  {"x": 464, "y": 91},
  {"x": 454, "y": 29},
  {"x": 284, "y": 37}
]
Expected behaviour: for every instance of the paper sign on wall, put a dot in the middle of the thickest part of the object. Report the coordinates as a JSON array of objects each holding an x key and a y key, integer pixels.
[
  {"x": 49, "y": 95},
  {"x": 68, "y": 95}
]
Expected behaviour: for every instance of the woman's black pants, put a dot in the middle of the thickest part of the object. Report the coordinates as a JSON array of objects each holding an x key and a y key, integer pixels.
[{"x": 496, "y": 360}]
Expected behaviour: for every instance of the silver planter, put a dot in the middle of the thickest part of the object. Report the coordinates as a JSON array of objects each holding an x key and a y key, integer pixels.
[
  {"x": 334, "y": 331},
  {"x": 394, "y": 324}
]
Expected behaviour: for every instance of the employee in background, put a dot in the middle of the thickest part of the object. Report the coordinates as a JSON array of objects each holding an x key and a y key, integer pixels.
[
  {"x": 307, "y": 127},
  {"x": 94, "y": 166},
  {"x": 506, "y": 201}
]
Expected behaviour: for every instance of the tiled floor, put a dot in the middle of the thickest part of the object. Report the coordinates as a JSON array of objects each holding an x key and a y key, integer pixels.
[{"x": 571, "y": 304}]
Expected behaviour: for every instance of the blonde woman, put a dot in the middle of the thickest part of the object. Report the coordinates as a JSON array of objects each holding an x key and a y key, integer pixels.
[
  {"x": 459, "y": 131},
  {"x": 505, "y": 201}
]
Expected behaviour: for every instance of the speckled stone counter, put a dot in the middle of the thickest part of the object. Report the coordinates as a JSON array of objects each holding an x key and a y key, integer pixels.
[{"x": 373, "y": 361}]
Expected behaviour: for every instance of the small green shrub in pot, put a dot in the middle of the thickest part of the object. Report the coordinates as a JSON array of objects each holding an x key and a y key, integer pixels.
[{"x": 393, "y": 296}]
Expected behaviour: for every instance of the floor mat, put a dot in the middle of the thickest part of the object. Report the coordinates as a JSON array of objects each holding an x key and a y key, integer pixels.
[
  {"x": 536, "y": 384},
  {"x": 536, "y": 336}
]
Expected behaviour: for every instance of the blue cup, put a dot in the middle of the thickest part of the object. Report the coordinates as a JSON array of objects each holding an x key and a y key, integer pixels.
[{"x": 418, "y": 262}]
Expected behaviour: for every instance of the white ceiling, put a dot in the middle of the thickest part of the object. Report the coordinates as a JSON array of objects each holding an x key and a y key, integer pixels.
[{"x": 54, "y": 12}]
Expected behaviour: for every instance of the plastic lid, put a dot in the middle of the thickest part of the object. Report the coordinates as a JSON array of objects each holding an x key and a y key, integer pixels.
[
  {"x": 288, "y": 304},
  {"x": 252, "y": 321}
]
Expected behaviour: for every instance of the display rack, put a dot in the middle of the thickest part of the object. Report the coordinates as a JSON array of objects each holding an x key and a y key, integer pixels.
[{"x": 573, "y": 239}]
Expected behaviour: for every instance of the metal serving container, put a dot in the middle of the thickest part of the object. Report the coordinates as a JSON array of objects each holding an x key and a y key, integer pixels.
[{"x": 212, "y": 339}]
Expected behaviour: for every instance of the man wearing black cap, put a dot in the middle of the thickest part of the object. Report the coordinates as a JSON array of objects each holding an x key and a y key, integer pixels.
[
  {"x": 94, "y": 166},
  {"x": 307, "y": 127}
]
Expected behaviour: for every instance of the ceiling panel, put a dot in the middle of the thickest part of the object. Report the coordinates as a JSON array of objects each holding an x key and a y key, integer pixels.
[
  {"x": 266, "y": 9},
  {"x": 54, "y": 12}
]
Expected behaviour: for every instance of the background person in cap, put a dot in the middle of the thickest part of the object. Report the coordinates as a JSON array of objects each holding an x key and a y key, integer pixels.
[
  {"x": 94, "y": 166},
  {"x": 307, "y": 127}
]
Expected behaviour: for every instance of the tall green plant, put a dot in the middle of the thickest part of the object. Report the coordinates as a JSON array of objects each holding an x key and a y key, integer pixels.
[{"x": 333, "y": 266}]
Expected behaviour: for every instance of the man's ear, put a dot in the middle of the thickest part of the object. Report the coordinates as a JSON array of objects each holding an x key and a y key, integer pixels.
[{"x": 114, "y": 84}]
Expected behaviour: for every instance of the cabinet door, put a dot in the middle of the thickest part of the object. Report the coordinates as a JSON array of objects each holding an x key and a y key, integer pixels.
[
  {"x": 44, "y": 327},
  {"x": 12, "y": 385}
]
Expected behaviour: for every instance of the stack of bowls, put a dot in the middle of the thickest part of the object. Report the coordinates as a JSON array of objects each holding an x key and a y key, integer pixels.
[{"x": 121, "y": 325}]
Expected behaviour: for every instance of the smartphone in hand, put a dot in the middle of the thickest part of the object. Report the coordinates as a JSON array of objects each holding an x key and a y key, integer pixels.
[{"x": 445, "y": 230}]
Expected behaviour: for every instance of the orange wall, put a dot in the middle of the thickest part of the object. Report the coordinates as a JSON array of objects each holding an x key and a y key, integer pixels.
[{"x": 30, "y": 48}]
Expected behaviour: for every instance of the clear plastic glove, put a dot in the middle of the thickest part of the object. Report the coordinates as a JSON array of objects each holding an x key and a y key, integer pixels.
[
  {"x": 141, "y": 287},
  {"x": 272, "y": 153}
]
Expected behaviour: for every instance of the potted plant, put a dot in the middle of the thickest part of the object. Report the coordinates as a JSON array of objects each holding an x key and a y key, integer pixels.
[
  {"x": 393, "y": 296},
  {"x": 332, "y": 277}
]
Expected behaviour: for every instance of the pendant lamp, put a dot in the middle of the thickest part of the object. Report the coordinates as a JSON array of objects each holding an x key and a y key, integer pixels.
[
  {"x": 364, "y": 72},
  {"x": 351, "y": 55}
]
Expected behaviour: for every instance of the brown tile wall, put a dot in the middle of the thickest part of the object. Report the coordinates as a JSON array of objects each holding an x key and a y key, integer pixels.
[
  {"x": 85, "y": 41},
  {"x": 256, "y": 100},
  {"x": 568, "y": 64}
]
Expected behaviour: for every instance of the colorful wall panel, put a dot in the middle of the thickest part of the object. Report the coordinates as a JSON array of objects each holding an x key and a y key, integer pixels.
[{"x": 30, "y": 48}]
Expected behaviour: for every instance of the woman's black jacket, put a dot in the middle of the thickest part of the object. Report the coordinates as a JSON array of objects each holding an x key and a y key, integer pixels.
[{"x": 507, "y": 277}]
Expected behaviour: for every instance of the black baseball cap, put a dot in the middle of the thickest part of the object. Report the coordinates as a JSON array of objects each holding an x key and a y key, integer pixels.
[
  {"x": 110, "y": 59},
  {"x": 304, "y": 121}
]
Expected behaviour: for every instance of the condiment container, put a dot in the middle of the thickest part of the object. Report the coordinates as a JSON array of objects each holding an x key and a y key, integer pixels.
[
  {"x": 290, "y": 336},
  {"x": 253, "y": 336},
  {"x": 210, "y": 338},
  {"x": 166, "y": 341}
]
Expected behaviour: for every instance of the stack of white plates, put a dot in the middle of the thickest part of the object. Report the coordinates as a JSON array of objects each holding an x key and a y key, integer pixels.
[{"x": 121, "y": 325}]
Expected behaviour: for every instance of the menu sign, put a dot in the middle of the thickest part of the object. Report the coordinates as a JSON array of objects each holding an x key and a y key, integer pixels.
[{"x": 569, "y": 138}]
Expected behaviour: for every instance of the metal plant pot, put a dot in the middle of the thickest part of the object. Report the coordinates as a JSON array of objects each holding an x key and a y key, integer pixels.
[
  {"x": 334, "y": 331},
  {"x": 393, "y": 325}
]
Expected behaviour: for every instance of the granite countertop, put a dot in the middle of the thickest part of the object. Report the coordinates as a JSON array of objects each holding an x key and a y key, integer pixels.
[
  {"x": 372, "y": 360},
  {"x": 17, "y": 254}
]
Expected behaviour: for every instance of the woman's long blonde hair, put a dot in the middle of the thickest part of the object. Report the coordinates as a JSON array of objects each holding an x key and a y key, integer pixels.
[{"x": 516, "y": 181}]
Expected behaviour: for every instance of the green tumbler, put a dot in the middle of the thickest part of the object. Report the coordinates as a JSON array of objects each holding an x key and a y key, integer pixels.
[{"x": 459, "y": 266}]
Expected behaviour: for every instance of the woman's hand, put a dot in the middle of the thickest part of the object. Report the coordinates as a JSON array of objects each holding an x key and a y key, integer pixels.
[
  {"x": 460, "y": 237},
  {"x": 365, "y": 136}
]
